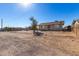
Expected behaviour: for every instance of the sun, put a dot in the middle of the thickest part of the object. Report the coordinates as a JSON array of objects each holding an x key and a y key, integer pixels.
[{"x": 26, "y": 3}]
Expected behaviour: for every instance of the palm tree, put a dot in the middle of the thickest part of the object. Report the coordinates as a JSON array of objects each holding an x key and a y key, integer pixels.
[{"x": 34, "y": 24}]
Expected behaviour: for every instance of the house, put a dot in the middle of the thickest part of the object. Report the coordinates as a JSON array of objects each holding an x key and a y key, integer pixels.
[
  {"x": 75, "y": 25},
  {"x": 57, "y": 25}
]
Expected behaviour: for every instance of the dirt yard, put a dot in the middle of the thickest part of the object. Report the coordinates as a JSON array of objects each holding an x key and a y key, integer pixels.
[{"x": 52, "y": 43}]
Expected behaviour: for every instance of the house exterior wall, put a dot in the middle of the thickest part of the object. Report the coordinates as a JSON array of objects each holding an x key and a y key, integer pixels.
[
  {"x": 56, "y": 27},
  {"x": 43, "y": 27},
  {"x": 51, "y": 27}
]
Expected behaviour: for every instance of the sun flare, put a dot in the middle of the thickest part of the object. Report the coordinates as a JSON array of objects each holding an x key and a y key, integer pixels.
[{"x": 26, "y": 3}]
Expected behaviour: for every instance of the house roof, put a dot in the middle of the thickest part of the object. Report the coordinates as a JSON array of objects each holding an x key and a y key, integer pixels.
[{"x": 53, "y": 23}]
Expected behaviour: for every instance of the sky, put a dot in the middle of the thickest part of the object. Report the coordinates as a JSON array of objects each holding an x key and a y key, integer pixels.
[{"x": 18, "y": 15}]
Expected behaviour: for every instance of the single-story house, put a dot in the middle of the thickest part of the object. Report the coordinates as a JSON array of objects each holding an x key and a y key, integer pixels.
[{"x": 57, "y": 25}]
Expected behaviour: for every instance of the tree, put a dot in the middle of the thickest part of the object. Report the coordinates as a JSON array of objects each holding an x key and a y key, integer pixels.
[
  {"x": 34, "y": 24},
  {"x": 7, "y": 29}
]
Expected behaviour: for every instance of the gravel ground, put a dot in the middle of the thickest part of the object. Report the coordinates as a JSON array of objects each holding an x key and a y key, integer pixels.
[{"x": 51, "y": 43}]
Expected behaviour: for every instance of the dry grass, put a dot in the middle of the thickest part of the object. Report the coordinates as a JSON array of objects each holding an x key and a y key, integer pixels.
[{"x": 50, "y": 44}]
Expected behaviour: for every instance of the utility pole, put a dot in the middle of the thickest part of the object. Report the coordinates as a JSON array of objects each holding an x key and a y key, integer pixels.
[{"x": 1, "y": 24}]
